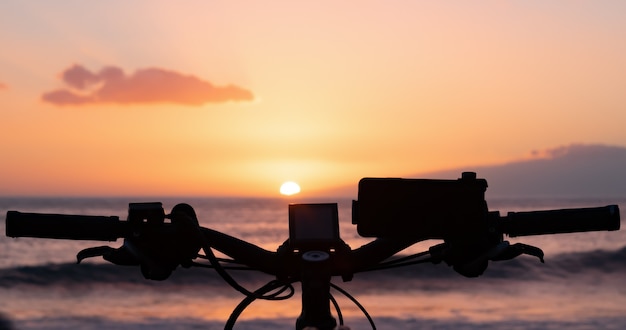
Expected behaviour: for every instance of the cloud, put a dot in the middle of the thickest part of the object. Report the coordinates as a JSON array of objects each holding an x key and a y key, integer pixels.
[
  {"x": 3, "y": 86},
  {"x": 152, "y": 85}
]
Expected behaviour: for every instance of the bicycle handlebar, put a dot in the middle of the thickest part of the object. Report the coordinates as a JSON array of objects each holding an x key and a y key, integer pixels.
[
  {"x": 110, "y": 228},
  {"x": 159, "y": 246},
  {"x": 105, "y": 228}
]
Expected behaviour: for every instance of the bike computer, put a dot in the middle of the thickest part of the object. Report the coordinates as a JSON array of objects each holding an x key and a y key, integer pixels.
[{"x": 313, "y": 226}]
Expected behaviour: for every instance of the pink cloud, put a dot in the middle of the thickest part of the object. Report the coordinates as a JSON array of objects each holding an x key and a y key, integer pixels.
[
  {"x": 152, "y": 85},
  {"x": 3, "y": 86}
]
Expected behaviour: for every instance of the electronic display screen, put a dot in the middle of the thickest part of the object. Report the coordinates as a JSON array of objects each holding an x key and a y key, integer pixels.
[{"x": 313, "y": 224}]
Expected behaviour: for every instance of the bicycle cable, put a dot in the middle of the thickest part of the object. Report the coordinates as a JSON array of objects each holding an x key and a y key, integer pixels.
[
  {"x": 401, "y": 262},
  {"x": 337, "y": 308},
  {"x": 356, "y": 302},
  {"x": 270, "y": 286},
  {"x": 213, "y": 260},
  {"x": 198, "y": 264},
  {"x": 241, "y": 266}
]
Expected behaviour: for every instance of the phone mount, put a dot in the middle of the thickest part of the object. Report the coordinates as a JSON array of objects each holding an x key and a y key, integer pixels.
[{"x": 420, "y": 209}]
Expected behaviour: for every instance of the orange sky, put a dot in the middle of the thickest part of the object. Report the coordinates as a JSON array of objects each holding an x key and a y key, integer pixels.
[{"x": 234, "y": 98}]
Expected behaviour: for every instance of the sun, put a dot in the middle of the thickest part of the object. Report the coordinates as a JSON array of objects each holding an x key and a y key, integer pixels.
[{"x": 289, "y": 188}]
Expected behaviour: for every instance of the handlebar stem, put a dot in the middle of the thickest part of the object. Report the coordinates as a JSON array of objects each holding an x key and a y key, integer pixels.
[{"x": 315, "y": 281}]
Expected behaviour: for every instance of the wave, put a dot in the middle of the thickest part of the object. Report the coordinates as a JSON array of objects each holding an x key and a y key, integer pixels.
[
  {"x": 568, "y": 265},
  {"x": 49, "y": 323}
]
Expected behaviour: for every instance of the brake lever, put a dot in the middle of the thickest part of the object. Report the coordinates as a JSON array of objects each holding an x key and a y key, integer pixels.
[
  {"x": 156, "y": 246},
  {"x": 477, "y": 266},
  {"x": 518, "y": 249},
  {"x": 502, "y": 251},
  {"x": 131, "y": 255},
  {"x": 120, "y": 256}
]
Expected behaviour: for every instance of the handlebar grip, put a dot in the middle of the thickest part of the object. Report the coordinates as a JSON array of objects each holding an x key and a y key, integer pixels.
[
  {"x": 63, "y": 226},
  {"x": 561, "y": 221}
]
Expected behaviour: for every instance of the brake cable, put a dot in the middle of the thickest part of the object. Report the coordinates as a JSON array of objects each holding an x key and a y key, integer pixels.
[
  {"x": 187, "y": 215},
  {"x": 401, "y": 262},
  {"x": 356, "y": 302},
  {"x": 270, "y": 286},
  {"x": 337, "y": 308}
]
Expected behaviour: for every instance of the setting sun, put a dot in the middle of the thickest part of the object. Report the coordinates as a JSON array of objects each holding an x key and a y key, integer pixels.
[{"x": 289, "y": 188}]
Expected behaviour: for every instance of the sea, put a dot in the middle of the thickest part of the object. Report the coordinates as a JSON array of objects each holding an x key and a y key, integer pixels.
[{"x": 581, "y": 285}]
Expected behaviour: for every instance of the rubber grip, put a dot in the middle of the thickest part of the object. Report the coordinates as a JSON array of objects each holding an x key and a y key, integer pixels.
[
  {"x": 63, "y": 226},
  {"x": 561, "y": 221}
]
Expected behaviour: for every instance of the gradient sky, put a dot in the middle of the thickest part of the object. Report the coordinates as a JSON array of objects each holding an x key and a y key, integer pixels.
[{"x": 236, "y": 97}]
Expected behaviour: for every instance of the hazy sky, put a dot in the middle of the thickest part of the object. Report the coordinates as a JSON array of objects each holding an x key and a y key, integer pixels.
[{"x": 236, "y": 97}]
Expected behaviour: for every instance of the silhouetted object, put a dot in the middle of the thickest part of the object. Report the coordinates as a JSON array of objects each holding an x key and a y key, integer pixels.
[{"x": 396, "y": 212}]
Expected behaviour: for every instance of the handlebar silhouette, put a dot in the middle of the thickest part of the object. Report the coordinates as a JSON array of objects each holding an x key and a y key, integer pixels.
[
  {"x": 453, "y": 211},
  {"x": 110, "y": 228}
]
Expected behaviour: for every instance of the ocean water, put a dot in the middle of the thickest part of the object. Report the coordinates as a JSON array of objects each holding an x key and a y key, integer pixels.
[{"x": 582, "y": 285}]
